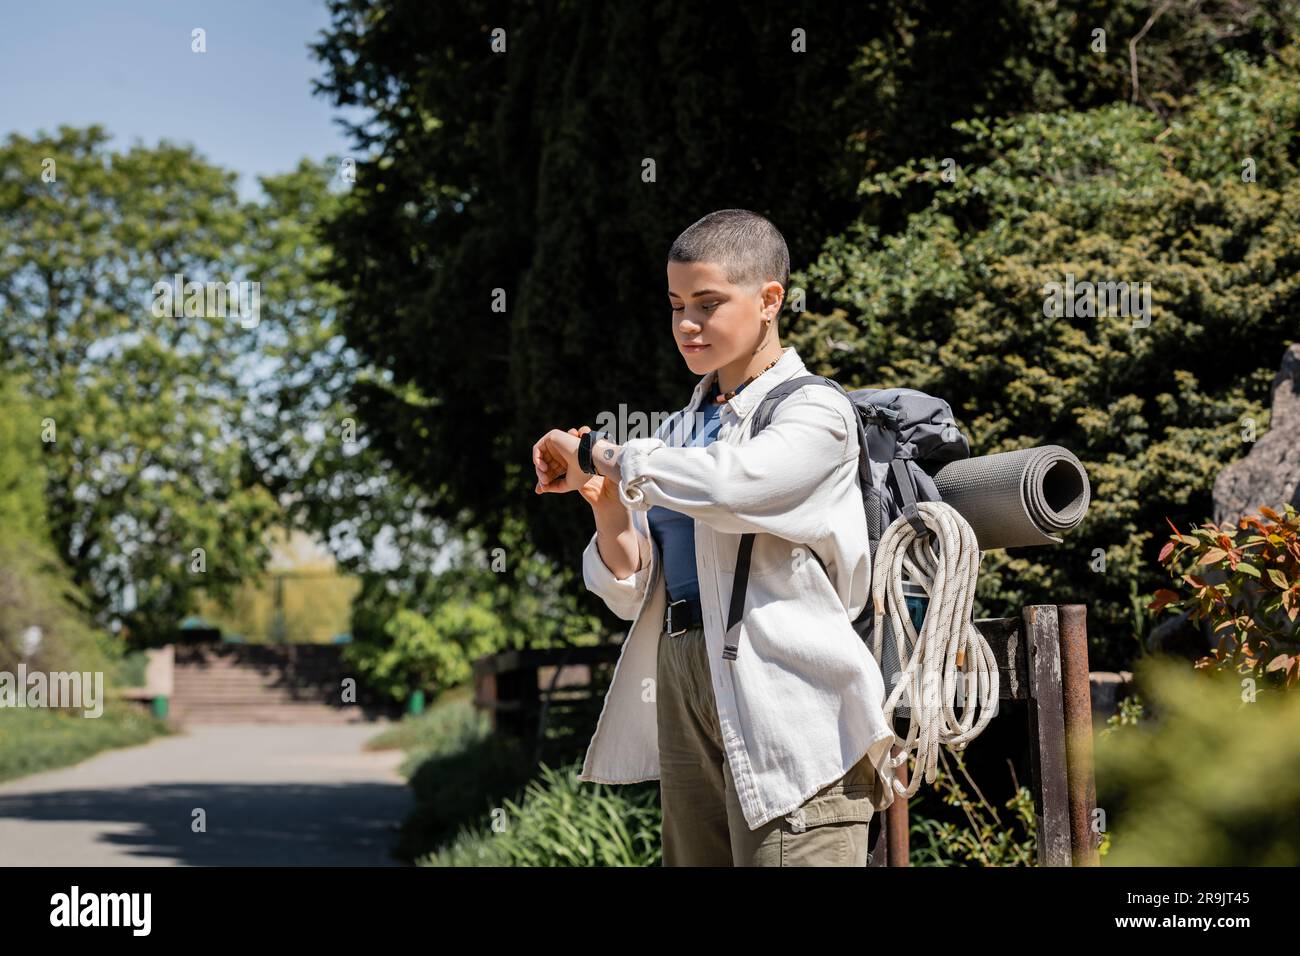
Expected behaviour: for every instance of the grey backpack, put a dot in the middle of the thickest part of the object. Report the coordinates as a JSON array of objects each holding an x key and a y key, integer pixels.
[{"x": 904, "y": 436}]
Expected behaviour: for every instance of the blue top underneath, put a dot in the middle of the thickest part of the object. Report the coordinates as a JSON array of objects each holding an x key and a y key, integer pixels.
[{"x": 673, "y": 531}]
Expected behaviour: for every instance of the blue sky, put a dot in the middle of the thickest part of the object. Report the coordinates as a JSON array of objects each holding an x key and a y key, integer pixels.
[{"x": 246, "y": 103}]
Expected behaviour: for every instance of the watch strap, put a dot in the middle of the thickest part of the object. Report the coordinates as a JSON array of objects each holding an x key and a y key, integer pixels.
[{"x": 585, "y": 446}]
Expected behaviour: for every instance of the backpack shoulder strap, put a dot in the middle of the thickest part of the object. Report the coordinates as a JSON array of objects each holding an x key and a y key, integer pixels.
[
  {"x": 739, "y": 584},
  {"x": 767, "y": 408},
  {"x": 762, "y": 417}
]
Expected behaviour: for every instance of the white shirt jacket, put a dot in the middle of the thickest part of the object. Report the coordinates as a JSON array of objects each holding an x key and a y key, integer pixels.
[{"x": 802, "y": 702}]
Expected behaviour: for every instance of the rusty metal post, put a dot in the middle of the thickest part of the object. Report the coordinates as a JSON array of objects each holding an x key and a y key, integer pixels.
[
  {"x": 1077, "y": 700},
  {"x": 896, "y": 820}
]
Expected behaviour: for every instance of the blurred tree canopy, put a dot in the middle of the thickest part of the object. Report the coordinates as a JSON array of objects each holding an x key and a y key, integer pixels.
[
  {"x": 163, "y": 434},
  {"x": 43, "y": 615},
  {"x": 133, "y": 408},
  {"x": 501, "y": 256},
  {"x": 421, "y": 326}
]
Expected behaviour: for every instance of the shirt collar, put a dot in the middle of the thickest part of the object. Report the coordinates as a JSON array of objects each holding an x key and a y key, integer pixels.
[{"x": 787, "y": 366}]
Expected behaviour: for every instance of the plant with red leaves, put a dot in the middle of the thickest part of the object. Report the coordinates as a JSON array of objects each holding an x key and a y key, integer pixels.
[{"x": 1255, "y": 610}]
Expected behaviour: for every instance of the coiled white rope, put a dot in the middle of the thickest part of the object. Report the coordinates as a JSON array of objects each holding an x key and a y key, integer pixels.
[{"x": 948, "y": 653}]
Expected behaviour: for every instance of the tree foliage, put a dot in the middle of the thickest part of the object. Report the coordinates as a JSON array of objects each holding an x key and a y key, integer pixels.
[
  {"x": 1254, "y": 611},
  {"x": 501, "y": 255},
  {"x": 144, "y": 468},
  {"x": 954, "y": 303},
  {"x": 43, "y": 616},
  {"x": 1209, "y": 780}
]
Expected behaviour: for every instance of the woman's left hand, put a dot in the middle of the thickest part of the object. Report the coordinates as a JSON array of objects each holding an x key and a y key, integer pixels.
[{"x": 555, "y": 457}]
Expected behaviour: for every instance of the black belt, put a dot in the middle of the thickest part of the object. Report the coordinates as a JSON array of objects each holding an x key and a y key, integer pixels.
[{"x": 681, "y": 616}]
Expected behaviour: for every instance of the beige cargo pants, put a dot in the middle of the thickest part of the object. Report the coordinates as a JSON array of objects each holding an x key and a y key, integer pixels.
[{"x": 702, "y": 821}]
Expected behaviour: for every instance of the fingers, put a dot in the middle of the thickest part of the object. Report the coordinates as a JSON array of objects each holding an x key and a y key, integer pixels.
[
  {"x": 542, "y": 462},
  {"x": 550, "y": 466},
  {"x": 550, "y": 476},
  {"x": 544, "y": 459},
  {"x": 556, "y": 485},
  {"x": 539, "y": 460}
]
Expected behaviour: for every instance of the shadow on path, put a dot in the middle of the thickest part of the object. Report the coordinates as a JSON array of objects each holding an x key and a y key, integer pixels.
[
  {"x": 269, "y": 796},
  {"x": 247, "y": 825}
]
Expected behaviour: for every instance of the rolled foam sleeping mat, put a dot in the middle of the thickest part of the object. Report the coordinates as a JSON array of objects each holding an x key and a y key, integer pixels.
[{"x": 1017, "y": 498}]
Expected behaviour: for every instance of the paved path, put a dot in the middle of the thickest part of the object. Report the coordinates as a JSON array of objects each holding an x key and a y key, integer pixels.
[{"x": 286, "y": 795}]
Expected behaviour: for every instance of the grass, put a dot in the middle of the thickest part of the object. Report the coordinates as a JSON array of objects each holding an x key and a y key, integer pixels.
[
  {"x": 562, "y": 822},
  {"x": 457, "y": 769},
  {"x": 483, "y": 799},
  {"x": 448, "y": 724},
  {"x": 35, "y": 739}
]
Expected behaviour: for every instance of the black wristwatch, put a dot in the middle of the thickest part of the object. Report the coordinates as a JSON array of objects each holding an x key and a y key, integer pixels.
[{"x": 585, "y": 444}]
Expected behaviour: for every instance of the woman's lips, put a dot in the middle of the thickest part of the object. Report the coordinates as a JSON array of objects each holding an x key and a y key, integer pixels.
[{"x": 688, "y": 349}]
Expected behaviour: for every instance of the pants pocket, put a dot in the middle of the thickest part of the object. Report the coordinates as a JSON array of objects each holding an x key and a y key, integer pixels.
[{"x": 830, "y": 829}]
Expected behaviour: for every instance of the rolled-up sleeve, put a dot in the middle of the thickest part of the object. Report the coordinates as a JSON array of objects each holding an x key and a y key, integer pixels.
[
  {"x": 780, "y": 482},
  {"x": 621, "y": 595}
]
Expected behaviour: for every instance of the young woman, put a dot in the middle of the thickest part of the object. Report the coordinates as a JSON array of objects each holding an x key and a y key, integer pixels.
[{"x": 769, "y": 743}]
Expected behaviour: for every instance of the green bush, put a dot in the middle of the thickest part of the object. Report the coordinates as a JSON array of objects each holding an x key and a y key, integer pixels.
[
  {"x": 986, "y": 839},
  {"x": 38, "y": 596},
  {"x": 426, "y": 651},
  {"x": 1210, "y": 778},
  {"x": 36, "y": 590},
  {"x": 450, "y": 723},
  {"x": 562, "y": 821},
  {"x": 953, "y": 302},
  {"x": 426, "y": 630},
  {"x": 1254, "y": 609},
  {"x": 456, "y": 768}
]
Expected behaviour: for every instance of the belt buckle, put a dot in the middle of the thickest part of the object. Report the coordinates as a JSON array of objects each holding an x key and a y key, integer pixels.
[{"x": 671, "y": 632}]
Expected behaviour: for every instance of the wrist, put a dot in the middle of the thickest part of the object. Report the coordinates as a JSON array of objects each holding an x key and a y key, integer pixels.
[
  {"x": 608, "y": 502},
  {"x": 586, "y": 448},
  {"x": 604, "y": 456}
]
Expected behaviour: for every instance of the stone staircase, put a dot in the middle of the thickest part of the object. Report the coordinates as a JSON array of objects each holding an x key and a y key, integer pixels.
[{"x": 248, "y": 683}]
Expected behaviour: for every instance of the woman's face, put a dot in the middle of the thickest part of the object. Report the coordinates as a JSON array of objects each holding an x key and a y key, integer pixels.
[{"x": 726, "y": 318}]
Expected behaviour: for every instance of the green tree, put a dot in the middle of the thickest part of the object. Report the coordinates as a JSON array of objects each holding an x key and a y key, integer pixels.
[
  {"x": 145, "y": 466},
  {"x": 423, "y": 628},
  {"x": 954, "y": 301},
  {"x": 524, "y": 172},
  {"x": 37, "y": 597}
]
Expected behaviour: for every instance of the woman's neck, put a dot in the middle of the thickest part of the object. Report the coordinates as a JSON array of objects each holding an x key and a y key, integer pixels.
[{"x": 729, "y": 376}]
